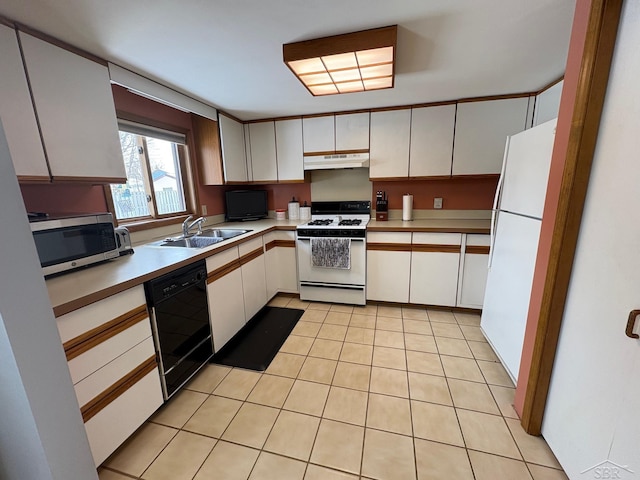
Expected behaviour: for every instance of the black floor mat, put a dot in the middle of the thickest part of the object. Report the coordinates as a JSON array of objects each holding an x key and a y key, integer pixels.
[{"x": 255, "y": 345}]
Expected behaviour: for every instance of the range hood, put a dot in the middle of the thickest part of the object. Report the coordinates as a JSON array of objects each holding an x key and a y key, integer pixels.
[{"x": 335, "y": 161}]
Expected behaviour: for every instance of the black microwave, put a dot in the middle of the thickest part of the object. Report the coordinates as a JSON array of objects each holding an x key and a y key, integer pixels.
[{"x": 65, "y": 243}]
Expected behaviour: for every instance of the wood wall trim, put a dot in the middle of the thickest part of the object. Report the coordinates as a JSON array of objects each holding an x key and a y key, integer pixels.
[
  {"x": 389, "y": 247},
  {"x": 280, "y": 243},
  {"x": 477, "y": 250},
  {"x": 102, "y": 400},
  {"x": 550, "y": 84},
  {"x": 435, "y": 248},
  {"x": 251, "y": 256},
  {"x": 335, "y": 152},
  {"x": 33, "y": 179},
  {"x": 598, "y": 51},
  {"x": 496, "y": 97},
  {"x": 208, "y": 150},
  {"x": 5, "y": 21},
  {"x": 94, "y": 180},
  {"x": 380, "y": 227},
  {"x": 86, "y": 341},
  {"x": 218, "y": 273},
  {"x": 228, "y": 115}
]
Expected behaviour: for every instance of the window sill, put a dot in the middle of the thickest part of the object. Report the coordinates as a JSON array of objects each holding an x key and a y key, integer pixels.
[{"x": 148, "y": 224}]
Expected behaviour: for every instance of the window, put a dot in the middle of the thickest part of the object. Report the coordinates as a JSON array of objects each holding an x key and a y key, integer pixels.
[{"x": 155, "y": 161}]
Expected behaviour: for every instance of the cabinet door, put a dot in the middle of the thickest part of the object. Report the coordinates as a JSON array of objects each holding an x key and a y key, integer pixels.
[
  {"x": 475, "y": 267},
  {"x": 289, "y": 149},
  {"x": 207, "y": 142},
  {"x": 262, "y": 138},
  {"x": 280, "y": 263},
  {"x": 389, "y": 150},
  {"x": 74, "y": 104},
  {"x": 548, "y": 104},
  {"x": 388, "y": 266},
  {"x": 254, "y": 286},
  {"x": 318, "y": 134},
  {"x": 254, "y": 283},
  {"x": 226, "y": 307},
  {"x": 352, "y": 131},
  {"x": 482, "y": 129},
  {"x": 16, "y": 111},
  {"x": 431, "y": 146},
  {"x": 435, "y": 258},
  {"x": 233, "y": 152}
]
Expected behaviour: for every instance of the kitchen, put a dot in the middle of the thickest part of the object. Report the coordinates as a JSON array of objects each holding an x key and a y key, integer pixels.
[{"x": 85, "y": 195}]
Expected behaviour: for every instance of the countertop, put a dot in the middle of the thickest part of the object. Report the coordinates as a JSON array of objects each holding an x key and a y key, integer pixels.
[{"x": 74, "y": 290}]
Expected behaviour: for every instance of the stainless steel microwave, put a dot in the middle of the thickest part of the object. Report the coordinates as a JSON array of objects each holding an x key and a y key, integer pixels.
[{"x": 65, "y": 243}]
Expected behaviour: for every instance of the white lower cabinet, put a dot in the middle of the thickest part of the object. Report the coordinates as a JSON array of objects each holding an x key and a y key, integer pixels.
[
  {"x": 112, "y": 362},
  {"x": 254, "y": 282},
  {"x": 280, "y": 262},
  {"x": 473, "y": 271},
  {"x": 435, "y": 258},
  {"x": 388, "y": 266},
  {"x": 224, "y": 294}
]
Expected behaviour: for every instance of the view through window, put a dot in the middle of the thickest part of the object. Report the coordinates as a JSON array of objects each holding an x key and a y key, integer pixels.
[{"x": 155, "y": 186}]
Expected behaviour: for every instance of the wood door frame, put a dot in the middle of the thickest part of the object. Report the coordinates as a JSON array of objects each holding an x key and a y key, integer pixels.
[{"x": 602, "y": 28}]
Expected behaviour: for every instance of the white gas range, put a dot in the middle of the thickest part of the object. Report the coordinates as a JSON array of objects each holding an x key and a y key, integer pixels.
[{"x": 332, "y": 252}]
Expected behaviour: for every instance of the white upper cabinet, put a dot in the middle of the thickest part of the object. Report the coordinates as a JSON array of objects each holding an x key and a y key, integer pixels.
[
  {"x": 548, "y": 104},
  {"x": 233, "y": 149},
  {"x": 481, "y": 131},
  {"x": 389, "y": 150},
  {"x": 262, "y": 139},
  {"x": 352, "y": 131},
  {"x": 74, "y": 105},
  {"x": 289, "y": 149},
  {"x": 16, "y": 111},
  {"x": 431, "y": 146},
  {"x": 319, "y": 134}
]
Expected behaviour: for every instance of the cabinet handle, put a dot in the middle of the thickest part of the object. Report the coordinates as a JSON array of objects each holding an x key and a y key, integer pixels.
[{"x": 631, "y": 323}]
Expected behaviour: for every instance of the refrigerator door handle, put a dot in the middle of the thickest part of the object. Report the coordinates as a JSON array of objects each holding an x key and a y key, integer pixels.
[{"x": 496, "y": 203}]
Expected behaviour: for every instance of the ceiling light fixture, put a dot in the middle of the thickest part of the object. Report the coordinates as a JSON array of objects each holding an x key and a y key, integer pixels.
[{"x": 352, "y": 62}]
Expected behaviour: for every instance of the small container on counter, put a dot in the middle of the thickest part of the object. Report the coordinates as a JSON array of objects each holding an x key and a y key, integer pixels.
[
  {"x": 294, "y": 209},
  {"x": 281, "y": 214},
  {"x": 305, "y": 212}
]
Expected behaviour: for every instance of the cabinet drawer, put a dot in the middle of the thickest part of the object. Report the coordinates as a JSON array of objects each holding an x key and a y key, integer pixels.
[
  {"x": 112, "y": 425},
  {"x": 249, "y": 246},
  {"x": 221, "y": 259},
  {"x": 80, "y": 321},
  {"x": 98, "y": 351},
  {"x": 100, "y": 380},
  {"x": 389, "y": 237},
  {"x": 428, "y": 238}
]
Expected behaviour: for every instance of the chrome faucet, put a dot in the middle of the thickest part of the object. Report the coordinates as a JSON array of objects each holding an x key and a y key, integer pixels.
[{"x": 186, "y": 226}]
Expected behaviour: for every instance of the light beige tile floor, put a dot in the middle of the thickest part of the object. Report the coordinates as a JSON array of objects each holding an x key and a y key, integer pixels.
[{"x": 375, "y": 392}]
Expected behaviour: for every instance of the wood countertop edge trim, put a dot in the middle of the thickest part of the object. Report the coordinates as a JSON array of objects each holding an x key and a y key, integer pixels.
[
  {"x": 430, "y": 229},
  {"x": 78, "y": 303}
]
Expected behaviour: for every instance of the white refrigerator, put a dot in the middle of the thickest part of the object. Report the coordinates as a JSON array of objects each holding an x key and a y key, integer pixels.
[{"x": 515, "y": 231}]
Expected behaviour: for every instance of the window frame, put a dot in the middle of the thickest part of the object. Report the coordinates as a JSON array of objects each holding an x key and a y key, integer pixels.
[{"x": 186, "y": 160}]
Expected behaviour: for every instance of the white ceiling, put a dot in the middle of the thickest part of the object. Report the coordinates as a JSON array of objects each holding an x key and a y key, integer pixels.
[{"x": 229, "y": 52}]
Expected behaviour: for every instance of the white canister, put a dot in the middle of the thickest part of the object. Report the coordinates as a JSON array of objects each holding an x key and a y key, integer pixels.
[
  {"x": 281, "y": 214},
  {"x": 407, "y": 207},
  {"x": 305, "y": 213},
  {"x": 294, "y": 209}
]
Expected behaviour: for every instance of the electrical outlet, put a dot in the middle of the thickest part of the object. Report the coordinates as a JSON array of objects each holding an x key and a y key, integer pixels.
[
  {"x": 437, "y": 202},
  {"x": 203, "y": 208}
]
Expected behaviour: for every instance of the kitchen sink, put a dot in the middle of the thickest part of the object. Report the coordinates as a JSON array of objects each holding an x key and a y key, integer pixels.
[
  {"x": 191, "y": 242},
  {"x": 224, "y": 233},
  {"x": 203, "y": 239}
]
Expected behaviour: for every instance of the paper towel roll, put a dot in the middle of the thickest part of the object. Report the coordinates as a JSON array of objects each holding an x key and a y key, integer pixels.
[{"x": 407, "y": 207}]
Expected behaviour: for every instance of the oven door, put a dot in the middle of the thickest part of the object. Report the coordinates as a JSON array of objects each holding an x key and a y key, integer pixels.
[{"x": 356, "y": 275}]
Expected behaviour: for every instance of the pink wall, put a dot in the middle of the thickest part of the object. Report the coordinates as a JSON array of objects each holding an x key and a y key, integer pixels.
[
  {"x": 63, "y": 198},
  {"x": 278, "y": 196},
  {"x": 463, "y": 194},
  {"x": 571, "y": 77}
]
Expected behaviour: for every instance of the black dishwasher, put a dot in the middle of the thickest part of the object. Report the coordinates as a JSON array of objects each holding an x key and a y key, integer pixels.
[{"x": 180, "y": 323}]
